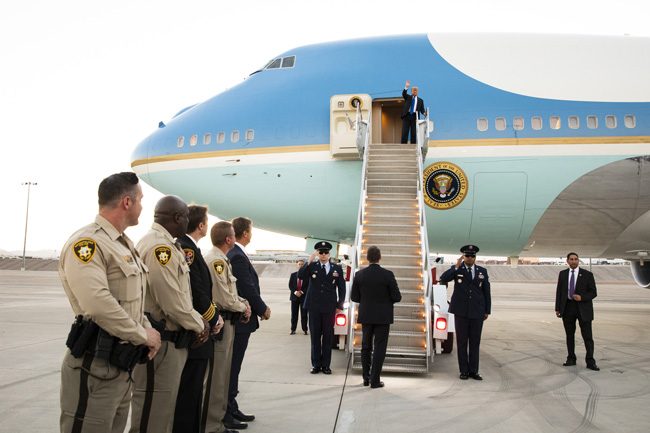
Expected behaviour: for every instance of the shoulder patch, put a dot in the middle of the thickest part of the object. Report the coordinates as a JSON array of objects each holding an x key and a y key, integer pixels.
[
  {"x": 84, "y": 249},
  {"x": 163, "y": 254},
  {"x": 189, "y": 255},
  {"x": 219, "y": 266}
]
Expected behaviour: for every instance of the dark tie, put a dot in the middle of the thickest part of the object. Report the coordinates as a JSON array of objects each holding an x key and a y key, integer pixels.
[
  {"x": 572, "y": 284},
  {"x": 299, "y": 284},
  {"x": 413, "y": 104},
  {"x": 471, "y": 272}
]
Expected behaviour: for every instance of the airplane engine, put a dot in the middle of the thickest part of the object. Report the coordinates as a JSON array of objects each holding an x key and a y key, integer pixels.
[{"x": 641, "y": 272}]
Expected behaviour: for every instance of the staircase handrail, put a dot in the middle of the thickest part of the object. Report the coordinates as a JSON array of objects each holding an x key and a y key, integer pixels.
[
  {"x": 423, "y": 137},
  {"x": 424, "y": 241}
]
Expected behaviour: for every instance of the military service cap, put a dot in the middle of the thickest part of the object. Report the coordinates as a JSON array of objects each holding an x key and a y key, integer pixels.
[
  {"x": 323, "y": 246},
  {"x": 469, "y": 250}
]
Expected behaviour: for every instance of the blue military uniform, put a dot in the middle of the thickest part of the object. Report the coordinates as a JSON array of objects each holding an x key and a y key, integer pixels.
[
  {"x": 326, "y": 293},
  {"x": 470, "y": 303}
]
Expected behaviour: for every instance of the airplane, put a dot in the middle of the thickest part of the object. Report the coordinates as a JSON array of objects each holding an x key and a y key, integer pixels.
[{"x": 549, "y": 133}]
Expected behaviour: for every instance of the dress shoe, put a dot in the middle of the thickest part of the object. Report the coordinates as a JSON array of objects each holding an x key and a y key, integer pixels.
[
  {"x": 241, "y": 416},
  {"x": 292, "y": 333},
  {"x": 306, "y": 333},
  {"x": 463, "y": 376},
  {"x": 475, "y": 376},
  {"x": 593, "y": 367},
  {"x": 326, "y": 370},
  {"x": 377, "y": 385},
  {"x": 315, "y": 370},
  {"x": 569, "y": 362},
  {"x": 366, "y": 382},
  {"x": 235, "y": 425}
]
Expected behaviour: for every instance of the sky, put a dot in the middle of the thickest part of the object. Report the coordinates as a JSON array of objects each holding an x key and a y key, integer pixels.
[{"x": 83, "y": 82}]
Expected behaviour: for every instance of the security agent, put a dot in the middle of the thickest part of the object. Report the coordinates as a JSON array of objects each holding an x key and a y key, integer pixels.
[
  {"x": 324, "y": 298},
  {"x": 188, "y": 414},
  {"x": 471, "y": 305},
  {"x": 576, "y": 288},
  {"x": 168, "y": 303},
  {"x": 104, "y": 279}
]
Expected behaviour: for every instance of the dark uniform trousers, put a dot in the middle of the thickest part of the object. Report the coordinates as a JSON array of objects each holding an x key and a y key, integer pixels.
[
  {"x": 297, "y": 307},
  {"x": 240, "y": 343},
  {"x": 468, "y": 340},
  {"x": 321, "y": 325},
  {"x": 571, "y": 313},
  {"x": 377, "y": 336},
  {"x": 187, "y": 416}
]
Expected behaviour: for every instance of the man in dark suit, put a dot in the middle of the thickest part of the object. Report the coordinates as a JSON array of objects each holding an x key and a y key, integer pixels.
[
  {"x": 298, "y": 288},
  {"x": 187, "y": 416},
  {"x": 248, "y": 287},
  {"x": 412, "y": 106},
  {"x": 471, "y": 305},
  {"x": 325, "y": 297},
  {"x": 576, "y": 288},
  {"x": 375, "y": 289}
]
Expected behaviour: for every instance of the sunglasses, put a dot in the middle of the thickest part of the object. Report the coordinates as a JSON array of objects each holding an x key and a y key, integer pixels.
[
  {"x": 323, "y": 252},
  {"x": 470, "y": 255}
]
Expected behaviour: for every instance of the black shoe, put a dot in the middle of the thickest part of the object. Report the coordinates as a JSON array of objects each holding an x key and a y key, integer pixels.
[
  {"x": 241, "y": 416},
  {"x": 306, "y": 333},
  {"x": 366, "y": 382},
  {"x": 235, "y": 425},
  {"x": 475, "y": 376},
  {"x": 230, "y": 431},
  {"x": 292, "y": 333},
  {"x": 593, "y": 367},
  {"x": 463, "y": 376},
  {"x": 377, "y": 385},
  {"x": 327, "y": 370},
  {"x": 315, "y": 370},
  {"x": 569, "y": 362}
]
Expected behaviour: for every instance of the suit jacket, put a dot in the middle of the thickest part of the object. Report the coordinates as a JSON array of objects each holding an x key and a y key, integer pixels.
[
  {"x": 407, "y": 104},
  {"x": 585, "y": 287},
  {"x": 326, "y": 291},
  {"x": 471, "y": 298},
  {"x": 248, "y": 287},
  {"x": 375, "y": 289},
  {"x": 293, "y": 286},
  {"x": 201, "y": 285}
]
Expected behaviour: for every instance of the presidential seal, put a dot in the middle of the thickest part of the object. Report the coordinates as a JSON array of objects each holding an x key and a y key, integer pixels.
[{"x": 445, "y": 185}]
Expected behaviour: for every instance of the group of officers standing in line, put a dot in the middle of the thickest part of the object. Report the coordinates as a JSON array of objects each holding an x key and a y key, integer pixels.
[{"x": 159, "y": 327}]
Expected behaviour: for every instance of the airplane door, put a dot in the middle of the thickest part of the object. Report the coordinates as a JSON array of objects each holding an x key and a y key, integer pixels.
[{"x": 343, "y": 126}]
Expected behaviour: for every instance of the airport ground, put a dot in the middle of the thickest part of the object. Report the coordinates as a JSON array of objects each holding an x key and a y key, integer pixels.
[{"x": 526, "y": 389}]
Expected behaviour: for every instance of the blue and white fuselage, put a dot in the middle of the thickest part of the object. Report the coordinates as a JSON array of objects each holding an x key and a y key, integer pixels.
[{"x": 553, "y": 133}]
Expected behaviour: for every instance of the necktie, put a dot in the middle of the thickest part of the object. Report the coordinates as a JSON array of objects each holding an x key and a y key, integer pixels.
[
  {"x": 299, "y": 284},
  {"x": 413, "y": 104},
  {"x": 572, "y": 284}
]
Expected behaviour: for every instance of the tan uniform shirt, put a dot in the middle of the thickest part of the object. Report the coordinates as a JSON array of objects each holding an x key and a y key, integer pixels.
[
  {"x": 169, "y": 295},
  {"x": 105, "y": 280},
  {"x": 224, "y": 290}
]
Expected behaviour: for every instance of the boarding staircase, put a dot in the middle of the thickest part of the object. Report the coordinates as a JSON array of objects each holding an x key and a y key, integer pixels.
[{"x": 391, "y": 217}]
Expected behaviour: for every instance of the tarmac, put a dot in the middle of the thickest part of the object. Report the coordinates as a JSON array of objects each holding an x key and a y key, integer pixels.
[{"x": 525, "y": 386}]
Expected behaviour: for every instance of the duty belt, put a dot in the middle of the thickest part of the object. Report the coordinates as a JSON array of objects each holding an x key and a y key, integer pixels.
[
  {"x": 169, "y": 335},
  {"x": 230, "y": 315}
]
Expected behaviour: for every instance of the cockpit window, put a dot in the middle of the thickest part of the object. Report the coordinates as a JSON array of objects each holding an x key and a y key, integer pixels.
[
  {"x": 288, "y": 62},
  {"x": 274, "y": 64}
]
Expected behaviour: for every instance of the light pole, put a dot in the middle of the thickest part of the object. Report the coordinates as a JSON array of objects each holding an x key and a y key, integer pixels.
[{"x": 29, "y": 187}]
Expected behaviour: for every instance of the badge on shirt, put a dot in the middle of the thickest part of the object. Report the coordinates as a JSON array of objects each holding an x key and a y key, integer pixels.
[
  {"x": 84, "y": 249},
  {"x": 219, "y": 266},
  {"x": 189, "y": 255},
  {"x": 128, "y": 259},
  {"x": 163, "y": 254}
]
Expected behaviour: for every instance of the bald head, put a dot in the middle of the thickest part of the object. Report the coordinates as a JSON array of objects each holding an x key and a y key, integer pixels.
[{"x": 172, "y": 213}]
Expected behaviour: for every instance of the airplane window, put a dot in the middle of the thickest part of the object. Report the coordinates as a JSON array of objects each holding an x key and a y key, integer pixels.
[
  {"x": 592, "y": 122},
  {"x": 194, "y": 139},
  {"x": 274, "y": 64},
  {"x": 630, "y": 121},
  {"x": 180, "y": 141},
  {"x": 536, "y": 123},
  {"x": 221, "y": 137},
  {"x": 482, "y": 124},
  {"x": 500, "y": 123},
  {"x": 234, "y": 136},
  {"x": 288, "y": 62},
  {"x": 250, "y": 135},
  {"x": 518, "y": 123},
  {"x": 574, "y": 122},
  {"x": 610, "y": 121},
  {"x": 555, "y": 122},
  {"x": 207, "y": 138}
]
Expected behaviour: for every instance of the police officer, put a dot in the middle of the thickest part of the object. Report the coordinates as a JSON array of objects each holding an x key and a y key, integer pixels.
[
  {"x": 105, "y": 280},
  {"x": 234, "y": 309},
  {"x": 187, "y": 416},
  {"x": 168, "y": 303},
  {"x": 470, "y": 304},
  {"x": 325, "y": 297}
]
